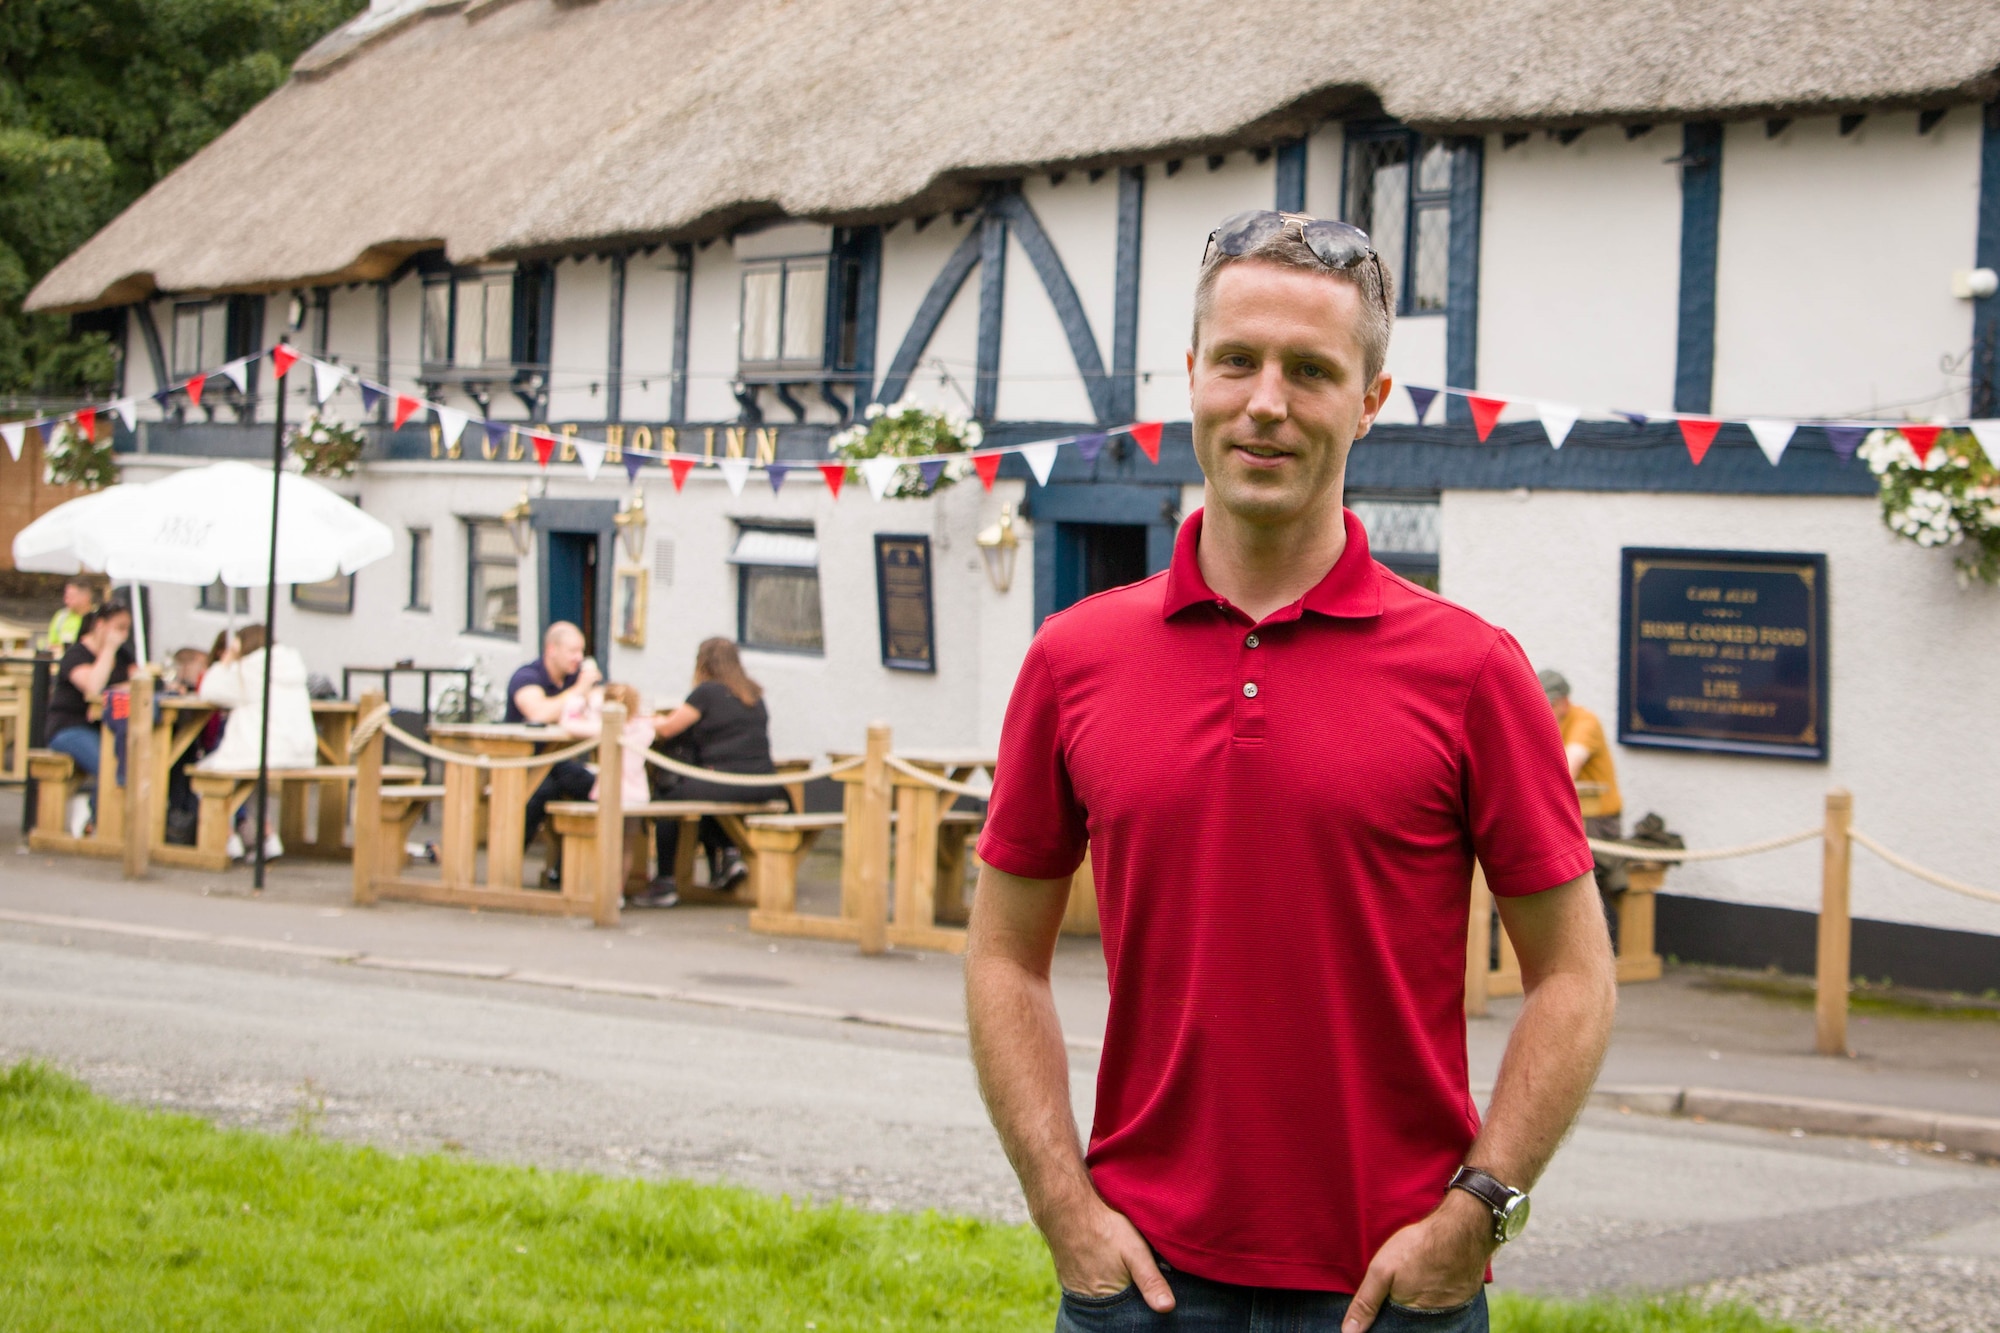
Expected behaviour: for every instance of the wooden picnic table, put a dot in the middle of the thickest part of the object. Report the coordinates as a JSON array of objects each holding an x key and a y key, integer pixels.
[
  {"x": 929, "y": 886},
  {"x": 500, "y": 795}
]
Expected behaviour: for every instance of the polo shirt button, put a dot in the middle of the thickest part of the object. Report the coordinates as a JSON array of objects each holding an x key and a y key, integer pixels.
[
  {"x": 1250, "y": 642},
  {"x": 1249, "y": 689}
]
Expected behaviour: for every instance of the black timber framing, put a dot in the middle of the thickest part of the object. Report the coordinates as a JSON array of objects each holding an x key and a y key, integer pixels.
[
  {"x": 683, "y": 305},
  {"x": 1049, "y": 268},
  {"x": 1986, "y": 309},
  {"x": 1701, "y": 223},
  {"x": 929, "y": 314},
  {"x": 1290, "y": 170},
  {"x": 1461, "y": 300},
  {"x": 614, "y": 358},
  {"x": 992, "y": 312},
  {"x": 1125, "y": 295}
]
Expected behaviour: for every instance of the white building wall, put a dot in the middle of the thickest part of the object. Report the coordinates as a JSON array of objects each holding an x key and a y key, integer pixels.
[
  {"x": 911, "y": 260},
  {"x": 580, "y": 350},
  {"x": 713, "y": 314},
  {"x": 406, "y": 327},
  {"x": 1180, "y": 212},
  {"x": 1039, "y": 379},
  {"x": 1834, "y": 266},
  {"x": 652, "y": 289},
  {"x": 1911, "y": 730},
  {"x": 140, "y": 380},
  {"x": 350, "y": 340},
  {"x": 1325, "y": 148},
  {"x": 1579, "y": 290}
]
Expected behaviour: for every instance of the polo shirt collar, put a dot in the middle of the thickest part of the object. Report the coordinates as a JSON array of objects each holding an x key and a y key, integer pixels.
[{"x": 1350, "y": 591}]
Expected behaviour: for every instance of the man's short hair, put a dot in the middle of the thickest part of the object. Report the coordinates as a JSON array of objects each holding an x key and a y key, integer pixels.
[
  {"x": 1554, "y": 684},
  {"x": 1286, "y": 248},
  {"x": 557, "y": 630}
]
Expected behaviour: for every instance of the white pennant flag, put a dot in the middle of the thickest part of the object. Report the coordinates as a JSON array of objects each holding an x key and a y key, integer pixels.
[
  {"x": 1556, "y": 420},
  {"x": 451, "y": 423},
  {"x": 591, "y": 454},
  {"x": 879, "y": 472},
  {"x": 128, "y": 412},
  {"x": 1988, "y": 435},
  {"x": 1772, "y": 437},
  {"x": 13, "y": 433},
  {"x": 735, "y": 471},
  {"x": 239, "y": 373},
  {"x": 1041, "y": 460},
  {"x": 326, "y": 378}
]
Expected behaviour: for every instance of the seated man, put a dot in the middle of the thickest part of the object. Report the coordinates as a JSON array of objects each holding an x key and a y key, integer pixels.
[
  {"x": 539, "y": 692},
  {"x": 1596, "y": 777},
  {"x": 98, "y": 660}
]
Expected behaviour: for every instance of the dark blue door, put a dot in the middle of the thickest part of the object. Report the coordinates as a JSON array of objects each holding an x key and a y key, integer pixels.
[
  {"x": 572, "y": 591},
  {"x": 1090, "y": 536}
]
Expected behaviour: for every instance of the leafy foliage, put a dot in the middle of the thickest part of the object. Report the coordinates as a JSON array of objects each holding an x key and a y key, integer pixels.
[
  {"x": 327, "y": 448},
  {"x": 909, "y": 430},
  {"x": 1949, "y": 498},
  {"x": 98, "y": 100},
  {"x": 71, "y": 459}
]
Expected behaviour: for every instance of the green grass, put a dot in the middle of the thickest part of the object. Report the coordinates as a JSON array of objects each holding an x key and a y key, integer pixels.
[{"x": 114, "y": 1218}]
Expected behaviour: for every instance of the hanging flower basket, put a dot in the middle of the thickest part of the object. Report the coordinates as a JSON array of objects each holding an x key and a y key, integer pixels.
[
  {"x": 327, "y": 448},
  {"x": 69, "y": 459},
  {"x": 1949, "y": 498},
  {"x": 910, "y": 430}
]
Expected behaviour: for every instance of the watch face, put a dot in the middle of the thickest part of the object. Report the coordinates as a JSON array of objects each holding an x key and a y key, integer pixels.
[{"x": 1514, "y": 1217}]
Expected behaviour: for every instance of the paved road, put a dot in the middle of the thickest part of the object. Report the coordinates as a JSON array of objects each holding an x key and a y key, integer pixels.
[{"x": 1859, "y": 1235}]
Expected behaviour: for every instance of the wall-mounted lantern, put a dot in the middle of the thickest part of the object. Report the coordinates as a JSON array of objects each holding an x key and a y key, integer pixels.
[
  {"x": 997, "y": 545},
  {"x": 631, "y": 521},
  {"x": 520, "y": 524}
]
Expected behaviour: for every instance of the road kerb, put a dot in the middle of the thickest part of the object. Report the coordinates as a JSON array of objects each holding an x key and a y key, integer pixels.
[{"x": 1813, "y": 1115}]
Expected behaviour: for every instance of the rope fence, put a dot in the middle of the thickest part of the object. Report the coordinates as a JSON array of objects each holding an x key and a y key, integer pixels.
[
  {"x": 378, "y": 720},
  {"x": 1910, "y": 867},
  {"x": 910, "y": 770},
  {"x": 722, "y": 779},
  {"x": 1639, "y": 851}
]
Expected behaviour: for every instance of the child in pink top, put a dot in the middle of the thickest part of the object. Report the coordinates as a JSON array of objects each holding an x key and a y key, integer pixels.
[{"x": 585, "y": 717}]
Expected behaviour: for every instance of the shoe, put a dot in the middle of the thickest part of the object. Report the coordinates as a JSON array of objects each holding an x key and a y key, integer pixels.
[
  {"x": 660, "y": 893},
  {"x": 78, "y": 815},
  {"x": 552, "y": 877},
  {"x": 235, "y": 848},
  {"x": 729, "y": 871},
  {"x": 273, "y": 849}
]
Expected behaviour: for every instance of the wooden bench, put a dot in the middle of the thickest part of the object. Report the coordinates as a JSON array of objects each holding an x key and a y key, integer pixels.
[
  {"x": 56, "y": 781},
  {"x": 576, "y": 824},
  {"x": 13, "y": 729},
  {"x": 223, "y": 792}
]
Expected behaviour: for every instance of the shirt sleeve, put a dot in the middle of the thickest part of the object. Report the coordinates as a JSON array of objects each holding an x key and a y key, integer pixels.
[
  {"x": 1034, "y": 825},
  {"x": 1520, "y": 804},
  {"x": 702, "y": 698}
]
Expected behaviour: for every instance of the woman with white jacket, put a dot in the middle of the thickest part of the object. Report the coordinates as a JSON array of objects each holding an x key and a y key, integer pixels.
[{"x": 236, "y": 682}]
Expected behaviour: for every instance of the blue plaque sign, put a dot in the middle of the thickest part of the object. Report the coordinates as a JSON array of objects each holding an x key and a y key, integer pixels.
[{"x": 1723, "y": 650}]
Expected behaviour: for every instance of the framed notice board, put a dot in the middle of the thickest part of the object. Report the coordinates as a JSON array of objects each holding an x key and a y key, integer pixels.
[
  {"x": 903, "y": 602},
  {"x": 1723, "y": 650}
]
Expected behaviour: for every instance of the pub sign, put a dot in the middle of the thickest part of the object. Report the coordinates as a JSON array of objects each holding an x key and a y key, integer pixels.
[
  {"x": 903, "y": 602},
  {"x": 1723, "y": 650}
]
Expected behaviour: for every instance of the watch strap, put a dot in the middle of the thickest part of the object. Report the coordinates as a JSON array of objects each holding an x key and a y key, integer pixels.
[{"x": 1483, "y": 1187}]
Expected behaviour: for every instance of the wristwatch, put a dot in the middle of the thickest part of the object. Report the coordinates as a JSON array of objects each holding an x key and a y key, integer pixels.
[{"x": 1509, "y": 1205}]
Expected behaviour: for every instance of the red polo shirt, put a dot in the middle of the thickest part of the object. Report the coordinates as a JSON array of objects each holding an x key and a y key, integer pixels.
[{"x": 1283, "y": 819}]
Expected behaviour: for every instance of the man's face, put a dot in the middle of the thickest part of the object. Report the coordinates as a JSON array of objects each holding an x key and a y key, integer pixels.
[
  {"x": 1560, "y": 702},
  {"x": 1278, "y": 391},
  {"x": 564, "y": 655},
  {"x": 76, "y": 598}
]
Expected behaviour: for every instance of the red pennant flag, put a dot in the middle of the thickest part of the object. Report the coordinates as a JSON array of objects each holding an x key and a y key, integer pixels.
[
  {"x": 1699, "y": 432},
  {"x": 1147, "y": 436},
  {"x": 406, "y": 407},
  {"x": 1485, "y": 411},
  {"x": 194, "y": 387},
  {"x": 1921, "y": 439},
  {"x": 988, "y": 467},
  {"x": 282, "y": 356},
  {"x": 680, "y": 467},
  {"x": 835, "y": 473},
  {"x": 86, "y": 422},
  {"x": 545, "y": 448}
]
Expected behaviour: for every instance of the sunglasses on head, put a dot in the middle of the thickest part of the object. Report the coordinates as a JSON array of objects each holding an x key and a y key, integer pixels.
[{"x": 1338, "y": 245}]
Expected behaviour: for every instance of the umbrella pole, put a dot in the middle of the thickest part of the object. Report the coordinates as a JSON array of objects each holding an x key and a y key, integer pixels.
[
  {"x": 270, "y": 633},
  {"x": 139, "y": 621}
]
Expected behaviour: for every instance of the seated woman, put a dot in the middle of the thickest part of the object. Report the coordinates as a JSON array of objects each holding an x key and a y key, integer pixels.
[
  {"x": 583, "y": 717},
  {"x": 236, "y": 682},
  {"x": 98, "y": 660},
  {"x": 723, "y": 726}
]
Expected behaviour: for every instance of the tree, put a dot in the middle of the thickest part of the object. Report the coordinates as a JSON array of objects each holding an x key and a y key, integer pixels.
[{"x": 98, "y": 100}]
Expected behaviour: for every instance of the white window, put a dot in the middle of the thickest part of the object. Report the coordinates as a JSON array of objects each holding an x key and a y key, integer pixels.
[
  {"x": 1402, "y": 534},
  {"x": 777, "y": 592},
  {"x": 420, "y": 569},
  {"x": 784, "y": 314},
  {"x": 469, "y": 319},
  {"x": 493, "y": 579},
  {"x": 1407, "y": 216},
  {"x": 201, "y": 336}
]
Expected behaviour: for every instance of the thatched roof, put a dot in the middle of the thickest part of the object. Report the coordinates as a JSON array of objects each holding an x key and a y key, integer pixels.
[{"x": 509, "y": 128}]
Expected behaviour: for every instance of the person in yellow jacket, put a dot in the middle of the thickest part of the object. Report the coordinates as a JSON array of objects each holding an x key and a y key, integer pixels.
[
  {"x": 79, "y": 600},
  {"x": 1596, "y": 776}
]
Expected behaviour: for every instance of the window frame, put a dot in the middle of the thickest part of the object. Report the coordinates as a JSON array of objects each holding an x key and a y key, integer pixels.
[
  {"x": 1416, "y": 566},
  {"x": 747, "y": 572},
  {"x": 473, "y": 564},
  {"x": 207, "y": 600},
  {"x": 821, "y": 360},
  {"x": 1416, "y": 201},
  {"x": 205, "y": 359},
  {"x": 454, "y": 282},
  {"x": 423, "y": 550}
]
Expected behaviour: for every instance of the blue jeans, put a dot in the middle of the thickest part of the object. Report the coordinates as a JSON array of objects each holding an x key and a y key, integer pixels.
[
  {"x": 80, "y": 744},
  {"x": 1202, "y": 1306}
]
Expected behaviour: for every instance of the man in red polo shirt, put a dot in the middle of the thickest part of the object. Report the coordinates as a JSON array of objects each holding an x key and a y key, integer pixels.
[{"x": 1285, "y": 760}]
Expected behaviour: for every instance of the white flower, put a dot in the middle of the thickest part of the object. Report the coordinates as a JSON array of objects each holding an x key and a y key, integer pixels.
[{"x": 874, "y": 410}]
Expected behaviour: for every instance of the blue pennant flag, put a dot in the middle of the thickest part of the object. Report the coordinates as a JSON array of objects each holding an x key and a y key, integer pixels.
[
  {"x": 1636, "y": 418},
  {"x": 1090, "y": 446},
  {"x": 931, "y": 469},
  {"x": 633, "y": 462},
  {"x": 1845, "y": 440},
  {"x": 1420, "y": 399},
  {"x": 776, "y": 472},
  {"x": 496, "y": 435},
  {"x": 165, "y": 398},
  {"x": 371, "y": 394}
]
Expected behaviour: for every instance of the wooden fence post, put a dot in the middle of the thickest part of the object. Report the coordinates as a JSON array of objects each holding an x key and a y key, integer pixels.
[
  {"x": 872, "y": 863},
  {"x": 139, "y": 792},
  {"x": 1478, "y": 944},
  {"x": 610, "y": 818},
  {"x": 367, "y": 806},
  {"x": 1835, "y": 926}
]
